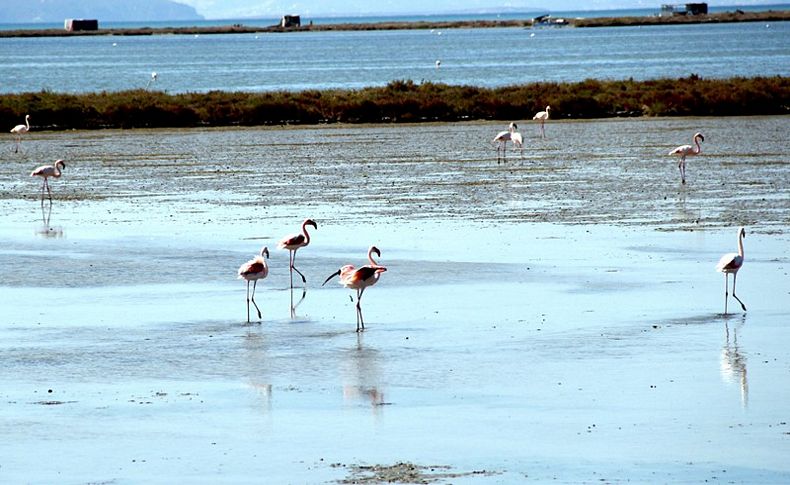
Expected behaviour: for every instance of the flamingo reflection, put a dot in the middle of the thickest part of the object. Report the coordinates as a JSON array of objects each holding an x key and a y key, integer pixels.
[
  {"x": 733, "y": 362},
  {"x": 361, "y": 376},
  {"x": 47, "y": 230},
  {"x": 294, "y": 306}
]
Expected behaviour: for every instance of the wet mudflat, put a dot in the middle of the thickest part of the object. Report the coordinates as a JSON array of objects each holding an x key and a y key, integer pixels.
[{"x": 552, "y": 316}]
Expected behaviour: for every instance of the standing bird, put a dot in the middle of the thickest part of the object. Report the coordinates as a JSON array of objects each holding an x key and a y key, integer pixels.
[
  {"x": 47, "y": 171},
  {"x": 293, "y": 243},
  {"x": 154, "y": 77},
  {"x": 686, "y": 151},
  {"x": 20, "y": 130},
  {"x": 542, "y": 116},
  {"x": 518, "y": 142},
  {"x": 359, "y": 279},
  {"x": 502, "y": 138},
  {"x": 731, "y": 263},
  {"x": 254, "y": 270}
]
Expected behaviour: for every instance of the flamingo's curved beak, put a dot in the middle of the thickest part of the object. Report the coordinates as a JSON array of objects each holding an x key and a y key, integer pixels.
[{"x": 336, "y": 273}]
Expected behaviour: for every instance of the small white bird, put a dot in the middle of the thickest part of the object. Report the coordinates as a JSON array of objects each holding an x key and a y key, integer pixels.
[
  {"x": 503, "y": 137},
  {"x": 542, "y": 116},
  {"x": 730, "y": 263},
  {"x": 684, "y": 151},
  {"x": 154, "y": 77},
  {"x": 20, "y": 130}
]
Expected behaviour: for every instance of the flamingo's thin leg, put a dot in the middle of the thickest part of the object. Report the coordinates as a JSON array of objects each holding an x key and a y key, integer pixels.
[
  {"x": 248, "y": 301},
  {"x": 254, "y": 284},
  {"x": 734, "y": 276},
  {"x": 293, "y": 261}
]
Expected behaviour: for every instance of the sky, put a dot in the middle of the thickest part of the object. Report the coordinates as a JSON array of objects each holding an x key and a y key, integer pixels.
[{"x": 224, "y": 9}]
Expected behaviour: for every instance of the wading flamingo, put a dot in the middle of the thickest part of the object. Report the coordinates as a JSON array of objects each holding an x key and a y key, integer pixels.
[
  {"x": 518, "y": 142},
  {"x": 254, "y": 270},
  {"x": 293, "y": 243},
  {"x": 684, "y": 151},
  {"x": 359, "y": 279},
  {"x": 730, "y": 264},
  {"x": 542, "y": 116},
  {"x": 20, "y": 130},
  {"x": 502, "y": 138},
  {"x": 47, "y": 171}
]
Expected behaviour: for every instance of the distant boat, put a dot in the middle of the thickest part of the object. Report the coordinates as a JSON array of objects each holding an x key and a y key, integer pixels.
[{"x": 548, "y": 21}]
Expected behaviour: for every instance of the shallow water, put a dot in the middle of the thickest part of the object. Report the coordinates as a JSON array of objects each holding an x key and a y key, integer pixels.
[
  {"x": 551, "y": 317},
  {"x": 352, "y": 60}
]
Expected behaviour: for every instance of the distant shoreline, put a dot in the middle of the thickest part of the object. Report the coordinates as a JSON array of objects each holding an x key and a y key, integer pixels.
[{"x": 723, "y": 17}]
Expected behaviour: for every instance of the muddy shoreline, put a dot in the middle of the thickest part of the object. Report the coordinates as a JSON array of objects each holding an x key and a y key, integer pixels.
[{"x": 614, "y": 171}]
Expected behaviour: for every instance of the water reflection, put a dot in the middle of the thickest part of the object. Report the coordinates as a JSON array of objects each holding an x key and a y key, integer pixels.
[
  {"x": 733, "y": 361},
  {"x": 294, "y": 306},
  {"x": 361, "y": 377},
  {"x": 46, "y": 229},
  {"x": 256, "y": 355}
]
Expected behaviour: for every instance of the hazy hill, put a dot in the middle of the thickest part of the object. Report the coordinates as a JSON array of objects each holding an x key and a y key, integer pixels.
[{"x": 25, "y": 11}]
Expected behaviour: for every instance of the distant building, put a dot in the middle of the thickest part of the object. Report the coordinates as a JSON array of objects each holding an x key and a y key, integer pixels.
[
  {"x": 74, "y": 25},
  {"x": 291, "y": 21},
  {"x": 668, "y": 10}
]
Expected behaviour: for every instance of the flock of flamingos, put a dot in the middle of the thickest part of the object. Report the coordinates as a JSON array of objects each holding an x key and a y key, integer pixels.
[{"x": 368, "y": 275}]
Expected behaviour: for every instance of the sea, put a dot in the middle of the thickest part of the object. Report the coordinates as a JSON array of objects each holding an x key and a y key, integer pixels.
[{"x": 486, "y": 57}]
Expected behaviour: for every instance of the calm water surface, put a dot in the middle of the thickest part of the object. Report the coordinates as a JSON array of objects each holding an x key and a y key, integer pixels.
[{"x": 321, "y": 60}]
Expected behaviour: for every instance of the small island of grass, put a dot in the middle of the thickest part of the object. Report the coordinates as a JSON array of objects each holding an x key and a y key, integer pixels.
[{"x": 401, "y": 101}]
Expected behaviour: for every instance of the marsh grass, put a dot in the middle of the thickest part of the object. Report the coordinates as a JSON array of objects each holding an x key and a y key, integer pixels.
[{"x": 401, "y": 101}]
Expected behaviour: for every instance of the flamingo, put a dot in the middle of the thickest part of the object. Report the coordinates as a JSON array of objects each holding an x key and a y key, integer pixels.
[
  {"x": 502, "y": 138},
  {"x": 293, "y": 243},
  {"x": 731, "y": 263},
  {"x": 359, "y": 279},
  {"x": 253, "y": 270},
  {"x": 47, "y": 171},
  {"x": 686, "y": 151},
  {"x": 20, "y": 130},
  {"x": 518, "y": 142},
  {"x": 542, "y": 116}
]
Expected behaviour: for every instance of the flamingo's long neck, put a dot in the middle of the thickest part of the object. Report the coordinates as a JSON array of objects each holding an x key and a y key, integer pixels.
[
  {"x": 370, "y": 258},
  {"x": 740, "y": 244},
  {"x": 306, "y": 234},
  {"x": 27, "y": 122},
  {"x": 696, "y": 142}
]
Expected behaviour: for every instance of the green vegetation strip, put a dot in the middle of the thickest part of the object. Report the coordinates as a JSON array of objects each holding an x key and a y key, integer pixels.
[{"x": 400, "y": 102}]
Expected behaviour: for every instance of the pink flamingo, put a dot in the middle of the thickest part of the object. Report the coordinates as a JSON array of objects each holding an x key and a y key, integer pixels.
[
  {"x": 359, "y": 279},
  {"x": 254, "y": 270},
  {"x": 47, "y": 171},
  {"x": 542, "y": 116},
  {"x": 503, "y": 137},
  {"x": 687, "y": 151},
  {"x": 730, "y": 263},
  {"x": 293, "y": 243},
  {"x": 20, "y": 130}
]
